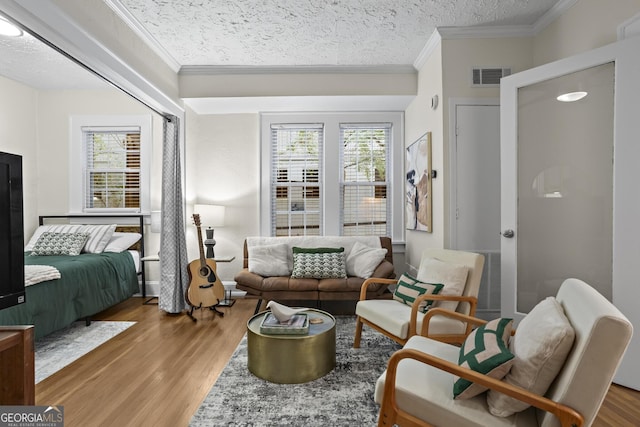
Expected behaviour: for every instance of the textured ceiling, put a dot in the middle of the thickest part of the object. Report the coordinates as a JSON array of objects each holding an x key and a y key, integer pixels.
[
  {"x": 28, "y": 60},
  {"x": 314, "y": 32},
  {"x": 273, "y": 33}
]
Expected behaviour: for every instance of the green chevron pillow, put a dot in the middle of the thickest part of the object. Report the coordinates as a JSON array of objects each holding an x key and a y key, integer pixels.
[
  {"x": 409, "y": 288},
  {"x": 486, "y": 350},
  {"x": 318, "y": 263},
  {"x": 60, "y": 243}
]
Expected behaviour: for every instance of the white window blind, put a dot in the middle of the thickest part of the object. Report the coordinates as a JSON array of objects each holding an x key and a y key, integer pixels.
[
  {"x": 296, "y": 179},
  {"x": 364, "y": 184},
  {"x": 113, "y": 168}
]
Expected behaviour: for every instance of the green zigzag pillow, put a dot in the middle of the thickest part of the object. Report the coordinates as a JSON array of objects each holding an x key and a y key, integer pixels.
[
  {"x": 319, "y": 263},
  {"x": 409, "y": 288},
  {"x": 486, "y": 350}
]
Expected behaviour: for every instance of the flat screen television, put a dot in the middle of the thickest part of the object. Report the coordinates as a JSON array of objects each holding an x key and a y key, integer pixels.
[{"x": 12, "y": 290}]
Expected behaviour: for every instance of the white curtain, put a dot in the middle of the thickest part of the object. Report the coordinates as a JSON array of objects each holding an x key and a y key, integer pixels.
[{"x": 174, "y": 279}]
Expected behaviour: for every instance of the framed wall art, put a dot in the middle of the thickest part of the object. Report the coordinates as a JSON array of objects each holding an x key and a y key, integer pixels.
[{"x": 418, "y": 185}]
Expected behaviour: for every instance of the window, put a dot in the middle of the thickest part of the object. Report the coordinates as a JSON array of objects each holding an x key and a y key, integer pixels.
[
  {"x": 296, "y": 152},
  {"x": 364, "y": 187},
  {"x": 112, "y": 176},
  {"x": 110, "y": 163},
  {"x": 330, "y": 174}
]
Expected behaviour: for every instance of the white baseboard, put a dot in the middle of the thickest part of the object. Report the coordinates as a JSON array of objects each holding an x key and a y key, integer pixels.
[{"x": 153, "y": 289}]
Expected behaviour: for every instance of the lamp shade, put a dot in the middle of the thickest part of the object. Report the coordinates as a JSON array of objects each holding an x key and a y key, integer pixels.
[
  {"x": 156, "y": 221},
  {"x": 210, "y": 215}
]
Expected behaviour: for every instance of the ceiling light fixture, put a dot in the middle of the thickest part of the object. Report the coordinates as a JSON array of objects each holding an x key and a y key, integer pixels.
[
  {"x": 571, "y": 96},
  {"x": 8, "y": 29}
]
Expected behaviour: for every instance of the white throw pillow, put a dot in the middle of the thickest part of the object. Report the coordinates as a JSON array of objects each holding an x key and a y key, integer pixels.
[
  {"x": 452, "y": 276},
  {"x": 541, "y": 344},
  {"x": 99, "y": 236},
  {"x": 270, "y": 260},
  {"x": 363, "y": 260},
  {"x": 120, "y": 242}
]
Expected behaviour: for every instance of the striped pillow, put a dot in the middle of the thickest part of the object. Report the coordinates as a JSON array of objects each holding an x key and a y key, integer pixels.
[
  {"x": 409, "y": 288},
  {"x": 99, "y": 236}
]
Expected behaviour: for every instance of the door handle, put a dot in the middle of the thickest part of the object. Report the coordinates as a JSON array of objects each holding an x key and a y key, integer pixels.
[{"x": 508, "y": 233}]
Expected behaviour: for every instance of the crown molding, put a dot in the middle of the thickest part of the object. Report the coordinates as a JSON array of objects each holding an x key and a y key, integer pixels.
[
  {"x": 428, "y": 49},
  {"x": 629, "y": 28},
  {"x": 135, "y": 25},
  {"x": 552, "y": 14},
  {"x": 195, "y": 70},
  {"x": 487, "y": 32}
]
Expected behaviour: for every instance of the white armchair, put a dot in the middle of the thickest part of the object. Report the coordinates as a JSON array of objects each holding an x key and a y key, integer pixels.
[
  {"x": 416, "y": 389},
  {"x": 400, "y": 321}
]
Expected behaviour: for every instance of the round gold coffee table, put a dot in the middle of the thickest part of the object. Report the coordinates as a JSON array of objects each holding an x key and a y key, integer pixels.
[{"x": 292, "y": 359}]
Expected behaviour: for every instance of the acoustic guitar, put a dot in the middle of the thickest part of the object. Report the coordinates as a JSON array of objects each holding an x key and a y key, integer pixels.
[{"x": 205, "y": 288}]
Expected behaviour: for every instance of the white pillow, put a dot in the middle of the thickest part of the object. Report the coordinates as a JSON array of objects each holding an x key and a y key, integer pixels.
[
  {"x": 120, "y": 242},
  {"x": 99, "y": 236},
  {"x": 452, "y": 276},
  {"x": 541, "y": 344},
  {"x": 270, "y": 260},
  {"x": 363, "y": 260}
]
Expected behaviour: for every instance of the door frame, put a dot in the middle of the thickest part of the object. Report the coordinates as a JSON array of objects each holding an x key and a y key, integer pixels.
[{"x": 626, "y": 205}]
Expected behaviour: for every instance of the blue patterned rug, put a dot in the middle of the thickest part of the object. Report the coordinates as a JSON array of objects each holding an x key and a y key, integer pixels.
[
  {"x": 344, "y": 397},
  {"x": 61, "y": 348}
]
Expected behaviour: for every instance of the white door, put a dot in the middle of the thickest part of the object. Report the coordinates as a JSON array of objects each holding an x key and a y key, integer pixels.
[
  {"x": 475, "y": 192},
  {"x": 569, "y": 203}
]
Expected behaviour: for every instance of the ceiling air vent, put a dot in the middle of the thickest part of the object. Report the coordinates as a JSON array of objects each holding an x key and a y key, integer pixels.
[{"x": 489, "y": 76}]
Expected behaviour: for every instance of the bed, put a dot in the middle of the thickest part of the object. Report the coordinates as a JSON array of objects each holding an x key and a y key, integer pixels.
[{"x": 88, "y": 283}]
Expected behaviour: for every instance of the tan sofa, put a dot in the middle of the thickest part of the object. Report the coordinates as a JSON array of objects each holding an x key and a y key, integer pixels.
[{"x": 283, "y": 288}]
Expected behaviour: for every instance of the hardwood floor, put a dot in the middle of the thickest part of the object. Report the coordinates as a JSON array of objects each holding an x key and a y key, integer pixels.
[{"x": 157, "y": 372}]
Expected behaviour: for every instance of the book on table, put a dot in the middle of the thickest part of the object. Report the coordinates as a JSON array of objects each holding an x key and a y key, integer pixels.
[{"x": 297, "y": 325}]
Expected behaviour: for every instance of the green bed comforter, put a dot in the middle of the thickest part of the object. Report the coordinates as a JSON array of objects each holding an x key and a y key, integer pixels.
[{"x": 89, "y": 284}]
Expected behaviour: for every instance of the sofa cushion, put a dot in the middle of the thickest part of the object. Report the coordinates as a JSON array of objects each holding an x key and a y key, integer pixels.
[
  {"x": 363, "y": 260},
  {"x": 318, "y": 263},
  {"x": 485, "y": 351},
  {"x": 452, "y": 276},
  {"x": 541, "y": 345},
  {"x": 270, "y": 260},
  {"x": 426, "y": 392},
  {"x": 409, "y": 288}
]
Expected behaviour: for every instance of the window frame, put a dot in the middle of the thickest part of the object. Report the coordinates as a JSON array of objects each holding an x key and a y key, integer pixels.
[
  {"x": 331, "y": 222},
  {"x": 78, "y": 159}
]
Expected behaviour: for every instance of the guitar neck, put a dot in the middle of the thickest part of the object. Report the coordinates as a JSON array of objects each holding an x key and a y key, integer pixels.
[{"x": 203, "y": 261}]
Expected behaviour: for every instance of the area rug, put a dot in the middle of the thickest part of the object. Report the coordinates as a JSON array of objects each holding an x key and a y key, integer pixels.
[
  {"x": 344, "y": 397},
  {"x": 61, "y": 348}
]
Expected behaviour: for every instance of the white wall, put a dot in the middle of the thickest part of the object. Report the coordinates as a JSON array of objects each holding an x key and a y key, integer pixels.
[
  {"x": 223, "y": 167},
  {"x": 588, "y": 24},
  {"x": 19, "y": 135},
  {"x": 420, "y": 118},
  {"x": 459, "y": 56},
  {"x": 54, "y": 111}
]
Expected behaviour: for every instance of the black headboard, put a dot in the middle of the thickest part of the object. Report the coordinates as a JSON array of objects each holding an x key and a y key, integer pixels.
[{"x": 115, "y": 218}]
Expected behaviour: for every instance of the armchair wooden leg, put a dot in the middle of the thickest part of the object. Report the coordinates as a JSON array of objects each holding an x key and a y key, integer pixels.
[{"x": 356, "y": 338}]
